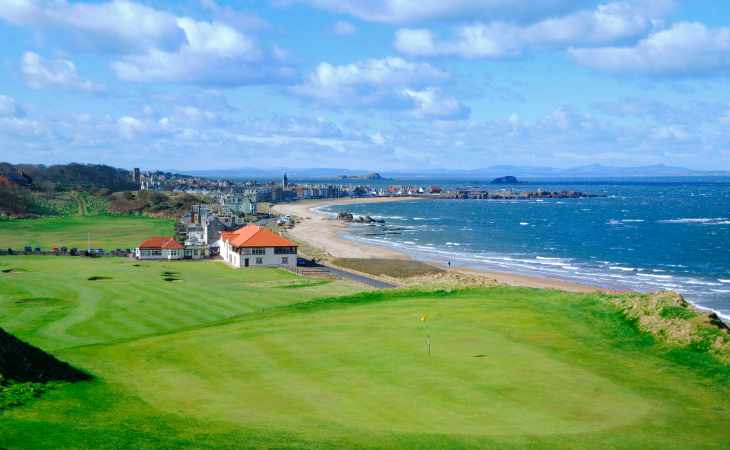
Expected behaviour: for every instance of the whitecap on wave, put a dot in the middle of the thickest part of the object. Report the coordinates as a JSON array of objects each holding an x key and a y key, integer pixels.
[
  {"x": 625, "y": 269},
  {"x": 698, "y": 220}
]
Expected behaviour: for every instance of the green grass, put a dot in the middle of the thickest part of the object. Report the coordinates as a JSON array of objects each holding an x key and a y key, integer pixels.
[
  {"x": 226, "y": 359},
  {"x": 677, "y": 312},
  {"x": 16, "y": 394},
  {"x": 108, "y": 232}
]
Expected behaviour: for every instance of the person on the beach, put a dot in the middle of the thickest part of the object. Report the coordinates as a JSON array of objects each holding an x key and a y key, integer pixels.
[{"x": 449, "y": 264}]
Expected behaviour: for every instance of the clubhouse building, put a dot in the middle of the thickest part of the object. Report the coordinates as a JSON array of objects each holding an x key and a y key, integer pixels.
[
  {"x": 255, "y": 246},
  {"x": 160, "y": 247},
  {"x": 165, "y": 247}
]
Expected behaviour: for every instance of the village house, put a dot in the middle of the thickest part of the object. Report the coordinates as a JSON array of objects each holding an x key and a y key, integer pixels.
[
  {"x": 255, "y": 246},
  {"x": 160, "y": 247}
]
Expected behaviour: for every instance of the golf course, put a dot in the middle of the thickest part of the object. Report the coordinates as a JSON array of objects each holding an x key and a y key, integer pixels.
[
  {"x": 101, "y": 231},
  {"x": 197, "y": 355}
]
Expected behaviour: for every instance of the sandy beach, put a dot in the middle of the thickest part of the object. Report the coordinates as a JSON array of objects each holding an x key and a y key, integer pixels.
[{"x": 325, "y": 233}]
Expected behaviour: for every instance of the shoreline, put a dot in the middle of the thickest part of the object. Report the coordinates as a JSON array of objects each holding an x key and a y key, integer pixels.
[{"x": 320, "y": 231}]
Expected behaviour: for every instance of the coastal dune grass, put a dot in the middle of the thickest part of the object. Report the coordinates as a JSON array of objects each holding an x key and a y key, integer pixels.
[
  {"x": 228, "y": 359},
  {"x": 396, "y": 268}
]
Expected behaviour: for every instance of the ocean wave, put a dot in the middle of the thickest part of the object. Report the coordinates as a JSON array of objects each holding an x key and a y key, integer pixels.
[
  {"x": 625, "y": 269},
  {"x": 722, "y": 280},
  {"x": 661, "y": 277},
  {"x": 389, "y": 217},
  {"x": 624, "y": 221},
  {"x": 703, "y": 283},
  {"x": 698, "y": 220}
]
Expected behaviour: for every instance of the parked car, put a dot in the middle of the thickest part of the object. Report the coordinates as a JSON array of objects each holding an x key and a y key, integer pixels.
[
  {"x": 74, "y": 251},
  {"x": 37, "y": 251},
  {"x": 99, "y": 251},
  {"x": 10, "y": 251},
  {"x": 28, "y": 250},
  {"x": 64, "y": 250},
  {"x": 55, "y": 251}
]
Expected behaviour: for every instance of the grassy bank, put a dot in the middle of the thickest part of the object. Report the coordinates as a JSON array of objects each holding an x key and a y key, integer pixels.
[
  {"x": 228, "y": 359},
  {"x": 105, "y": 231}
]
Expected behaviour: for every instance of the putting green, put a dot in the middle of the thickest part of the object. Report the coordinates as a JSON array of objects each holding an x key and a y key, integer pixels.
[{"x": 368, "y": 368}]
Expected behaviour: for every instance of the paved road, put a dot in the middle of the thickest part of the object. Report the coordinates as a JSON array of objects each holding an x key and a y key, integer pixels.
[
  {"x": 303, "y": 262},
  {"x": 360, "y": 278}
]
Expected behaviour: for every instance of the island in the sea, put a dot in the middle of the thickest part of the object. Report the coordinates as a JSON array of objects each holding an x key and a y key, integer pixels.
[
  {"x": 506, "y": 180},
  {"x": 370, "y": 176}
]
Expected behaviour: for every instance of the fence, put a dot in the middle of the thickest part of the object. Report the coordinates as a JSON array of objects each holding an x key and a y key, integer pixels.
[{"x": 69, "y": 252}]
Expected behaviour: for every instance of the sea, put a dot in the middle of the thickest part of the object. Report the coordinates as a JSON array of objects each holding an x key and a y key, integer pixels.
[{"x": 639, "y": 234}]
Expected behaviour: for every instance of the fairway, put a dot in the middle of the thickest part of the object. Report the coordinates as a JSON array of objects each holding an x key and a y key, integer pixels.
[
  {"x": 108, "y": 232},
  {"x": 231, "y": 359}
]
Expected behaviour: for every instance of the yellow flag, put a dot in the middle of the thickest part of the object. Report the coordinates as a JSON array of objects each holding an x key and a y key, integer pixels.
[{"x": 424, "y": 318}]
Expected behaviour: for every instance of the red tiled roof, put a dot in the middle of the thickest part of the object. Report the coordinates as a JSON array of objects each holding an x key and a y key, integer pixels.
[
  {"x": 255, "y": 236},
  {"x": 161, "y": 242}
]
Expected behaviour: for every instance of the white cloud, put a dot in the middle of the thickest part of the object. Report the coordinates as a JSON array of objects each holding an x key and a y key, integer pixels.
[
  {"x": 233, "y": 17},
  {"x": 153, "y": 45},
  {"x": 388, "y": 83},
  {"x": 213, "y": 53},
  {"x": 130, "y": 127},
  {"x": 607, "y": 23},
  {"x": 365, "y": 82},
  {"x": 432, "y": 103},
  {"x": 9, "y": 107},
  {"x": 344, "y": 28},
  {"x": 40, "y": 73},
  {"x": 686, "y": 48},
  {"x": 116, "y": 25},
  {"x": 404, "y": 11}
]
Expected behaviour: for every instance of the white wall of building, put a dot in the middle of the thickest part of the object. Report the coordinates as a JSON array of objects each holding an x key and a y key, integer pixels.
[
  {"x": 158, "y": 254},
  {"x": 257, "y": 257}
]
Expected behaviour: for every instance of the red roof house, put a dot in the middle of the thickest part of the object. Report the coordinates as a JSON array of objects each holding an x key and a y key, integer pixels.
[
  {"x": 253, "y": 245},
  {"x": 160, "y": 247}
]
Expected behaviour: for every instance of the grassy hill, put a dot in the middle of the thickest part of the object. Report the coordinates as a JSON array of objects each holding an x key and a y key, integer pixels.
[
  {"x": 231, "y": 359},
  {"x": 108, "y": 232}
]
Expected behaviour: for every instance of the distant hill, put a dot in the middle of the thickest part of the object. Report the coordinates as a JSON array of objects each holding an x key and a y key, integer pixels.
[
  {"x": 70, "y": 176},
  {"x": 588, "y": 171}
]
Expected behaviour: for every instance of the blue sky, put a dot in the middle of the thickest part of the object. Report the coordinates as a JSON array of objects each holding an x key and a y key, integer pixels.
[{"x": 365, "y": 84}]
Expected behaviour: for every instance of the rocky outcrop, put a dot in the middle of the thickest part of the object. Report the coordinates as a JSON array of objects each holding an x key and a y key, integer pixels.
[
  {"x": 672, "y": 320},
  {"x": 349, "y": 217}
]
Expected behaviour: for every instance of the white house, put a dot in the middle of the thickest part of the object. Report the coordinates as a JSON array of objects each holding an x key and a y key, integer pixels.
[
  {"x": 255, "y": 246},
  {"x": 160, "y": 247}
]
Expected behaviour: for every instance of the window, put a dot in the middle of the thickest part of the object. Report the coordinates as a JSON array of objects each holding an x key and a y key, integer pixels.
[
  {"x": 285, "y": 250},
  {"x": 284, "y": 260},
  {"x": 259, "y": 260},
  {"x": 259, "y": 251}
]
